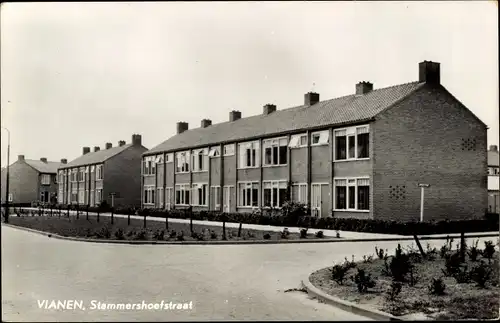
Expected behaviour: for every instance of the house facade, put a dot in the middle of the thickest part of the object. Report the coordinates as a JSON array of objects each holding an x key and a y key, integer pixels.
[
  {"x": 31, "y": 181},
  {"x": 493, "y": 180},
  {"x": 362, "y": 155},
  {"x": 112, "y": 174}
]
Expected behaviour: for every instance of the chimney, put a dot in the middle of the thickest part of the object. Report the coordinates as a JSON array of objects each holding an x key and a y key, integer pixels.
[
  {"x": 493, "y": 148},
  {"x": 205, "y": 123},
  {"x": 109, "y": 145},
  {"x": 44, "y": 159},
  {"x": 269, "y": 108},
  {"x": 86, "y": 150},
  {"x": 121, "y": 143},
  {"x": 311, "y": 98},
  {"x": 234, "y": 115},
  {"x": 181, "y": 127},
  {"x": 363, "y": 88},
  {"x": 20, "y": 157},
  {"x": 97, "y": 148},
  {"x": 64, "y": 161},
  {"x": 136, "y": 140},
  {"x": 429, "y": 72}
]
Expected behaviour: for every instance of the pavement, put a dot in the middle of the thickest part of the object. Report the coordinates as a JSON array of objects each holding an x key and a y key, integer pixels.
[{"x": 231, "y": 282}]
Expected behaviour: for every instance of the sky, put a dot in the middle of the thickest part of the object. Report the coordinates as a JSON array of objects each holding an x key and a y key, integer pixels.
[{"x": 83, "y": 74}]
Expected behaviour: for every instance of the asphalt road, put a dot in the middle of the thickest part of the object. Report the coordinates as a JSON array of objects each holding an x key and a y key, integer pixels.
[{"x": 232, "y": 282}]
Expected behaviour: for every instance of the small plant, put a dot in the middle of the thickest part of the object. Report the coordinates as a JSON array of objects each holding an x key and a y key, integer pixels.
[
  {"x": 489, "y": 250},
  {"x": 104, "y": 233},
  {"x": 368, "y": 259},
  {"x": 339, "y": 273},
  {"x": 173, "y": 234},
  {"x": 180, "y": 236},
  {"x": 250, "y": 234},
  {"x": 474, "y": 251},
  {"x": 88, "y": 233},
  {"x": 303, "y": 233},
  {"x": 285, "y": 233},
  {"x": 141, "y": 235},
  {"x": 386, "y": 271},
  {"x": 481, "y": 274},
  {"x": 267, "y": 236},
  {"x": 130, "y": 233},
  {"x": 400, "y": 265},
  {"x": 363, "y": 281},
  {"x": 119, "y": 234},
  {"x": 337, "y": 234},
  {"x": 437, "y": 287},
  {"x": 319, "y": 234},
  {"x": 414, "y": 278},
  {"x": 349, "y": 264},
  {"x": 159, "y": 235},
  {"x": 197, "y": 236},
  {"x": 213, "y": 235},
  {"x": 393, "y": 292},
  {"x": 431, "y": 252},
  {"x": 462, "y": 276},
  {"x": 380, "y": 253},
  {"x": 452, "y": 264}
]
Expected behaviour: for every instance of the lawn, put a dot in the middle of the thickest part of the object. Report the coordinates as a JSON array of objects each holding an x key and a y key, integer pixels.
[
  {"x": 464, "y": 300},
  {"x": 154, "y": 230}
]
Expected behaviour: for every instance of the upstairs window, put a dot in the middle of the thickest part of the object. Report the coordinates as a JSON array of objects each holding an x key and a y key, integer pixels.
[
  {"x": 298, "y": 141},
  {"x": 275, "y": 152},
  {"x": 352, "y": 143},
  {"x": 214, "y": 152},
  {"x": 200, "y": 160},
  {"x": 229, "y": 150},
  {"x": 98, "y": 169},
  {"x": 319, "y": 138},
  {"x": 169, "y": 158},
  {"x": 149, "y": 165},
  {"x": 183, "y": 162},
  {"x": 249, "y": 154},
  {"x": 159, "y": 159},
  {"x": 45, "y": 179}
]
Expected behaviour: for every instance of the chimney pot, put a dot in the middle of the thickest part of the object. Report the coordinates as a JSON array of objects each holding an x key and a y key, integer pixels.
[
  {"x": 429, "y": 72},
  {"x": 269, "y": 108},
  {"x": 43, "y": 159},
  {"x": 311, "y": 98},
  {"x": 206, "y": 123},
  {"x": 97, "y": 148},
  {"x": 181, "y": 127},
  {"x": 64, "y": 161},
  {"x": 234, "y": 115},
  {"x": 109, "y": 145},
  {"x": 493, "y": 148},
  {"x": 86, "y": 150},
  {"x": 121, "y": 143},
  {"x": 20, "y": 157},
  {"x": 136, "y": 140},
  {"x": 363, "y": 88}
]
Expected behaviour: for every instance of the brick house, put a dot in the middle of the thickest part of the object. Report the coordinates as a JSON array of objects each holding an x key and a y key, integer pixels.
[
  {"x": 360, "y": 156},
  {"x": 31, "y": 181},
  {"x": 493, "y": 180},
  {"x": 92, "y": 177}
]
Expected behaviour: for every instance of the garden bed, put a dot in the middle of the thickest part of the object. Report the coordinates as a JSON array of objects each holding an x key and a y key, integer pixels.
[
  {"x": 154, "y": 230},
  {"x": 465, "y": 300}
]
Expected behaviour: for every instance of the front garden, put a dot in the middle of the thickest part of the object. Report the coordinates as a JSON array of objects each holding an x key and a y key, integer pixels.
[{"x": 451, "y": 283}]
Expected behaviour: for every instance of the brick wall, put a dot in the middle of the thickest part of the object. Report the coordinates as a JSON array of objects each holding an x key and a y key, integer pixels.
[{"x": 23, "y": 183}]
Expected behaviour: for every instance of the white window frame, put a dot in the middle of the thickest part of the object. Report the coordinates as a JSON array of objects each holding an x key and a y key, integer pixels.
[
  {"x": 239, "y": 197},
  {"x": 160, "y": 197},
  {"x": 44, "y": 180},
  {"x": 274, "y": 185},
  {"x": 216, "y": 191},
  {"x": 271, "y": 143},
  {"x": 169, "y": 158},
  {"x": 81, "y": 173},
  {"x": 323, "y": 138},
  {"x": 168, "y": 197},
  {"x": 149, "y": 165},
  {"x": 182, "y": 188},
  {"x": 92, "y": 198},
  {"x": 195, "y": 198},
  {"x": 81, "y": 197},
  {"x": 301, "y": 187},
  {"x": 214, "y": 152},
  {"x": 353, "y": 132},
  {"x": 229, "y": 149},
  {"x": 296, "y": 141},
  {"x": 74, "y": 196},
  {"x": 242, "y": 148},
  {"x": 149, "y": 193},
  {"x": 98, "y": 175},
  {"x": 195, "y": 160},
  {"x": 183, "y": 162},
  {"x": 347, "y": 185}
]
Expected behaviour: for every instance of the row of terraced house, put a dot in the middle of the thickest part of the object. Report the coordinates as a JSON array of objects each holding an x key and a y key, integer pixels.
[{"x": 362, "y": 155}]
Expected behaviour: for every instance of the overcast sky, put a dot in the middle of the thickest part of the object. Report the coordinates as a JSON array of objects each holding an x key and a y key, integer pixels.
[{"x": 83, "y": 74}]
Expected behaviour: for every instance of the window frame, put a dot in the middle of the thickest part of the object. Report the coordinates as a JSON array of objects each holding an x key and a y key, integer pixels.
[
  {"x": 321, "y": 134},
  {"x": 254, "y": 147},
  {"x": 349, "y": 133},
  {"x": 214, "y": 152},
  {"x": 216, "y": 190},
  {"x": 272, "y": 143},
  {"x": 43, "y": 179},
  {"x": 98, "y": 171},
  {"x": 356, "y": 193},
  {"x": 195, "y": 160},
  {"x": 183, "y": 156},
  {"x": 231, "y": 148},
  {"x": 194, "y": 193},
  {"x": 169, "y": 158},
  {"x": 149, "y": 191},
  {"x": 300, "y": 186},
  {"x": 297, "y": 138},
  {"x": 185, "y": 188},
  {"x": 275, "y": 184},
  {"x": 248, "y": 185}
]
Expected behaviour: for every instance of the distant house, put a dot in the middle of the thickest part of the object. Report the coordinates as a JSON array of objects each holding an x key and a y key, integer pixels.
[
  {"x": 493, "y": 180},
  {"x": 31, "y": 181},
  {"x": 112, "y": 174},
  {"x": 362, "y": 155}
]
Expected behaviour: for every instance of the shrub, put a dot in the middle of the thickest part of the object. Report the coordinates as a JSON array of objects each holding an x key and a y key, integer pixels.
[
  {"x": 363, "y": 281},
  {"x": 337, "y": 234},
  {"x": 474, "y": 251},
  {"x": 130, "y": 233},
  {"x": 250, "y": 234},
  {"x": 380, "y": 253},
  {"x": 197, "y": 236},
  {"x": 285, "y": 233},
  {"x": 462, "y": 276},
  {"x": 368, "y": 259},
  {"x": 213, "y": 235},
  {"x": 319, "y": 234},
  {"x": 414, "y": 278},
  {"x": 88, "y": 233},
  {"x": 489, "y": 250},
  {"x": 394, "y": 290},
  {"x": 159, "y": 235},
  {"x": 437, "y": 287},
  {"x": 481, "y": 274},
  {"x": 292, "y": 212},
  {"x": 141, "y": 235},
  {"x": 452, "y": 264},
  {"x": 339, "y": 273},
  {"x": 180, "y": 236},
  {"x": 303, "y": 233},
  {"x": 267, "y": 236},
  {"x": 104, "y": 233},
  {"x": 430, "y": 252},
  {"x": 172, "y": 234},
  {"x": 119, "y": 234},
  {"x": 400, "y": 265}
]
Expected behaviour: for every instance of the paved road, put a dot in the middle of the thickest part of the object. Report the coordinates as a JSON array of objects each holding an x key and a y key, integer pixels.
[{"x": 234, "y": 282}]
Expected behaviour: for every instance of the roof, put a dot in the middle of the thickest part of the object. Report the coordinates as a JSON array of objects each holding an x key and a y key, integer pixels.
[
  {"x": 342, "y": 110},
  {"x": 492, "y": 158},
  {"x": 96, "y": 157},
  {"x": 40, "y": 166}
]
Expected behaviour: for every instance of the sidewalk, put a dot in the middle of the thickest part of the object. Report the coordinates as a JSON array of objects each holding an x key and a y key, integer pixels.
[{"x": 327, "y": 233}]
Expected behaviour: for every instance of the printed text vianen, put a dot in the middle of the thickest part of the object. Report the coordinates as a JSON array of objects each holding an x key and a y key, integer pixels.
[{"x": 97, "y": 305}]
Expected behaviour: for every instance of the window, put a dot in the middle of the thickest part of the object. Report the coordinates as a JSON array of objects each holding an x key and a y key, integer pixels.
[
  {"x": 98, "y": 169},
  {"x": 81, "y": 197},
  {"x": 214, "y": 152},
  {"x": 182, "y": 194},
  {"x": 299, "y": 193},
  {"x": 73, "y": 175},
  {"x": 248, "y": 194},
  {"x": 200, "y": 194},
  {"x": 45, "y": 179},
  {"x": 298, "y": 141},
  {"x": 275, "y": 193},
  {"x": 319, "y": 138},
  {"x": 275, "y": 151},
  {"x": 183, "y": 160},
  {"x": 74, "y": 197},
  {"x": 149, "y": 165},
  {"x": 92, "y": 171},
  {"x": 159, "y": 197},
  {"x": 352, "y": 194},
  {"x": 81, "y": 175},
  {"x": 216, "y": 197},
  {"x": 169, "y": 158},
  {"x": 200, "y": 160},
  {"x": 229, "y": 150},
  {"x": 168, "y": 197},
  {"x": 159, "y": 159},
  {"x": 149, "y": 194},
  {"x": 55, "y": 179},
  {"x": 352, "y": 143},
  {"x": 249, "y": 154}
]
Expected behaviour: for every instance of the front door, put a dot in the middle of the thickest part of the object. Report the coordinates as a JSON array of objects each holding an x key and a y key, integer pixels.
[
  {"x": 168, "y": 198},
  {"x": 319, "y": 200},
  {"x": 227, "y": 199}
]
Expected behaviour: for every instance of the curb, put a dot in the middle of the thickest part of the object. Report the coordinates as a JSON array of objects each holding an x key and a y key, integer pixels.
[
  {"x": 236, "y": 242},
  {"x": 347, "y": 306}
]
